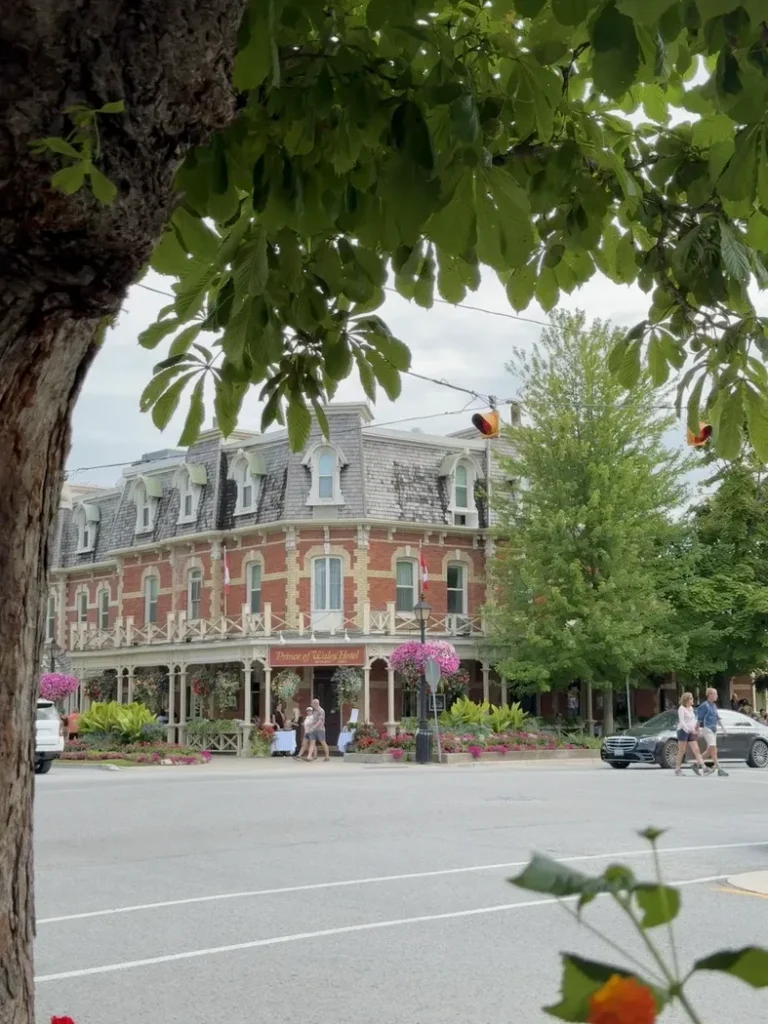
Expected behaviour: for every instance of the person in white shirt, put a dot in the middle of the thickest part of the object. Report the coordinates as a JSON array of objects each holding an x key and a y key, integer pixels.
[{"x": 688, "y": 735}]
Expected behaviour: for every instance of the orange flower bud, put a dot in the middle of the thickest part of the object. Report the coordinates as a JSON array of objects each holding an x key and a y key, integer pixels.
[{"x": 622, "y": 1001}]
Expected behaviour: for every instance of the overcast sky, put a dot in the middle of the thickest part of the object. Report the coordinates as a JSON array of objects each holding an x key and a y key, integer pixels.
[{"x": 459, "y": 345}]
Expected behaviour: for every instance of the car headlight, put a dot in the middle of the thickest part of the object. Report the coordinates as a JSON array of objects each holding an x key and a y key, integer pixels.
[{"x": 647, "y": 744}]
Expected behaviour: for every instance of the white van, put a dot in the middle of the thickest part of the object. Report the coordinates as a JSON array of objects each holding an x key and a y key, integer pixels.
[{"x": 49, "y": 736}]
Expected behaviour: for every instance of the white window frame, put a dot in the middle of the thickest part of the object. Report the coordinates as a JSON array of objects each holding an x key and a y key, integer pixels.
[
  {"x": 190, "y": 492},
  {"x": 247, "y": 470},
  {"x": 456, "y": 590},
  {"x": 414, "y": 586},
  {"x": 327, "y": 618},
  {"x": 149, "y": 600},
  {"x": 312, "y": 460},
  {"x": 254, "y": 569},
  {"x": 50, "y": 618},
  {"x": 86, "y": 530},
  {"x": 463, "y": 469},
  {"x": 146, "y": 508},
  {"x": 82, "y": 607},
  {"x": 194, "y": 576},
  {"x": 467, "y": 509},
  {"x": 102, "y": 608}
]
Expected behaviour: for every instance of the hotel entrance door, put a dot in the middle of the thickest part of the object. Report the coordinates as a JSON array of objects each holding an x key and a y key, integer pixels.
[{"x": 323, "y": 689}]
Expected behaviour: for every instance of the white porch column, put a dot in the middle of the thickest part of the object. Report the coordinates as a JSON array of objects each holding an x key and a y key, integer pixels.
[
  {"x": 267, "y": 694},
  {"x": 248, "y": 699},
  {"x": 182, "y": 695},
  {"x": 367, "y": 693},
  {"x": 486, "y": 682},
  {"x": 130, "y": 684},
  {"x": 171, "y": 704},
  {"x": 503, "y": 690},
  {"x": 391, "y": 722}
]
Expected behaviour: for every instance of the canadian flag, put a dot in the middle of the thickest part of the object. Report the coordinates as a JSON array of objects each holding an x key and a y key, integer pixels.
[
  {"x": 226, "y": 572},
  {"x": 423, "y": 571}
]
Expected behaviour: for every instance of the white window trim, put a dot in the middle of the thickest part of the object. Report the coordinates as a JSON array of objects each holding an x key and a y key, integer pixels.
[
  {"x": 147, "y": 602},
  {"x": 190, "y": 480},
  {"x": 190, "y": 581},
  {"x": 448, "y": 470},
  {"x": 100, "y": 610},
  {"x": 81, "y": 619},
  {"x": 86, "y": 521},
  {"x": 51, "y": 618},
  {"x": 143, "y": 497},
  {"x": 247, "y": 468},
  {"x": 327, "y": 559},
  {"x": 312, "y": 460},
  {"x": 414, "y": 587},
  {"x": 249, "y": 589},
  {"x": 464, "y": 587}
]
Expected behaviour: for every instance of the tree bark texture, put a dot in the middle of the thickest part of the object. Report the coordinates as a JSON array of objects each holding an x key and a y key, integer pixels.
[{"x": 65, "y": 264}]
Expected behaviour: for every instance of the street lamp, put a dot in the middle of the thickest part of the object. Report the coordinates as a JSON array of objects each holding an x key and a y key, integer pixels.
[
  {"x": 421, "y": 612},
  {"x": 53, "y": 651}
]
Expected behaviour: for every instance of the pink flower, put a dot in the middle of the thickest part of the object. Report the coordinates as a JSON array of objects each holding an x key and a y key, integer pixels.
[
  {"x": 409, "y": 658},
  {"x": 55, "y": 686}
]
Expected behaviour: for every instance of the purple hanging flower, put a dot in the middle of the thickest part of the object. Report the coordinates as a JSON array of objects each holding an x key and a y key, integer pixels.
[
  {"x": 408, "y": 659},
  {"x": 55, "y": 686}
]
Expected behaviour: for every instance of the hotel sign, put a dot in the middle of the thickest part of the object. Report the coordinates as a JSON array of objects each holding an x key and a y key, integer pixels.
[{"x": 298, "y": 657}]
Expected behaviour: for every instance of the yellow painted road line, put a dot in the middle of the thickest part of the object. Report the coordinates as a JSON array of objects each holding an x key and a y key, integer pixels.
[{"x": 740, "y": 892}]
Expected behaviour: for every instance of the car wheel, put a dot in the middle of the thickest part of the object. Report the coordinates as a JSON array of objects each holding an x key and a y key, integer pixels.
[
  {"x": 43, "y": 767},
  {"x": 758, "y": 755},
  {"x": 668, "y": 756},
  {"x": 619, "y": 764}
]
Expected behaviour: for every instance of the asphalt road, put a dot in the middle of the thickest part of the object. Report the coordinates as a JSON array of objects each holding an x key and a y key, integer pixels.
[{"x": 366, "y": 893}]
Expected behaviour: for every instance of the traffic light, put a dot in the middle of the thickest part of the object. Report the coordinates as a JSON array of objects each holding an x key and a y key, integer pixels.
[
  {"x": 488, "y": 423},
  {"x": 700, "y": 439}
]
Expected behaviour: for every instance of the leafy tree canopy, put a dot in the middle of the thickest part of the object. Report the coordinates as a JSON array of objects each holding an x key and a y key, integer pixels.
[
  {"x": 430, "y": 137},
  {"x": 583, "y": 570},
  {"x": 724, "y": 603}
]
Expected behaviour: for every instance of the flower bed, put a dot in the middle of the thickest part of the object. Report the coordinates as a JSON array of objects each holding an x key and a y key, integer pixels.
[
  {"x": 136, "y": 753},
  {"x": 369, "y": 740}
]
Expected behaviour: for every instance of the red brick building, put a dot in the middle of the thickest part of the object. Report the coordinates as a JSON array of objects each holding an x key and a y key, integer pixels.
[{"x": 320, "y": 550}]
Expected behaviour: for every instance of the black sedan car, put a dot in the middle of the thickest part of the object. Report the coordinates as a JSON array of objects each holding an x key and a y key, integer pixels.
[{"x": 740, "y": 738}]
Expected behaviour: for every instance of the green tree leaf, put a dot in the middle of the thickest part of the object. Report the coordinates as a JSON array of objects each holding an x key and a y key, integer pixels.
[
  {"x": 553, "y": 877},
  {"x": 572, "y": 12},
  {"x": 166, "y": 405},
  {"x": 182, "y": 342},
  {"x": 728, "y": 429},
  {"x": 70, "y": 179},
  {"x": 195, "y": 416},
  {"x": 197, "y": 237},
  {"x": 735, "y": 254},
  {"x": 657, "y": 363},
  {"x": 169, "y": 257},
  {"x": 616, "y": 52},
  {"x": 628, "y": 373},
  {"x": 581, "y": 979},
  {"x": 299, "y": 420},
  {"x": 659, "y": 904},
  {"x": 154, "y": 334},
  {"x": 520, "y": 287},
  {"x": 103, "y": 189},
  {"x": 756, "y": 406},
  {"x": 157, "y": 386},
  {"x": 749, "y": 964}
]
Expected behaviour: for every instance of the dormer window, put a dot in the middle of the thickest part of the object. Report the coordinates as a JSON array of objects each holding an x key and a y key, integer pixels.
[
  {"x": 247, "y": 470},
  {"x": 460, "y": 473},
  {"x": 190, "y": 480},
  {"x": 86, "y": 521},
  {"x": 146, "y": 495},
  {"x": 325, "y": 463}
]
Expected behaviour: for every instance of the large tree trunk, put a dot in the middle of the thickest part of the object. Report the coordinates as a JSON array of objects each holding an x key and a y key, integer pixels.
[
  {"x": 65, "y": 264},
  {"x": 608, "y": 720}
]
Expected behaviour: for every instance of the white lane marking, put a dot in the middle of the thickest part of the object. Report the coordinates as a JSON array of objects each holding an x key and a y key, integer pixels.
[
  {"x": 384, "y": 878},
  {"x": 324, "y": 934}
]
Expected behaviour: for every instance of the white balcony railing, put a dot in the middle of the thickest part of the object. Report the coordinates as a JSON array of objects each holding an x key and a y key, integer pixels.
[{"x": 179, "y": 629}]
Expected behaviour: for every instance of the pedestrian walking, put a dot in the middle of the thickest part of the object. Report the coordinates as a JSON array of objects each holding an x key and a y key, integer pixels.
[
  {"x": 688, "y": 735},
  {"x": 709, "y": 719},
  {"x": 317, "y": 732},
  {"x": 304, "y": 727}
]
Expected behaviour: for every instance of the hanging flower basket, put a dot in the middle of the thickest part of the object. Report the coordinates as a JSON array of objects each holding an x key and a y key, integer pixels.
[
  {"x": 408, "y": 659},
  {"x": 227, "y": 687},
  {"x": 286, "y": 685},
  {"x": 149, "y": 691},
  {"x": 455, "y": 685},
  {"x": 100, "y": 689},
  {"x": 56, "y": 687},
  {"x": 347, "y": 682},
  {"x": 203, "y": 685}
]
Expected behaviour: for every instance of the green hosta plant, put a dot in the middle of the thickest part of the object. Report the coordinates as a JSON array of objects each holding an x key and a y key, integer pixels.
[
  {"x": 124, "y": 721},
  {"x": 506, "y": 718},
  {"x": 600, "y": 993},
  {"x": 465, "y": 712}
]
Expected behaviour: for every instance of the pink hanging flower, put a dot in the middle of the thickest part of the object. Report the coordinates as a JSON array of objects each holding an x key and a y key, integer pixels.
[
  {"x": 56, "y": 686},
  {"x": 408, "y": 659}
]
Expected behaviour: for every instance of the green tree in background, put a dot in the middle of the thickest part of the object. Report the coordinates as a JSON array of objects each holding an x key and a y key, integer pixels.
[
  {"x": 583, "y": 570},
  {"x": 724, "y": 603}
]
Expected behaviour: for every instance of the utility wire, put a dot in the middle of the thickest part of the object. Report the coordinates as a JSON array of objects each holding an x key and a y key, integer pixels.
[{"x": 478, "y": 309}]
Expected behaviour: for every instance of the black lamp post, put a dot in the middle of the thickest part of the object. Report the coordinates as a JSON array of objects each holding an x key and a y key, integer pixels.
[{"x": 422, "y": 611}]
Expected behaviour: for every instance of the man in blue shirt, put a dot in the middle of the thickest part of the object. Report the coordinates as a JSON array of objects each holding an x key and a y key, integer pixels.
[{"x": 709, "y": 719}]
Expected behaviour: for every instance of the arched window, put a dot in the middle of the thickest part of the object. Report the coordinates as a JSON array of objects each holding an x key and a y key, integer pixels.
[
  {"x": 247, "y": 470},
  {"x": 460, "y": 470},
  {"x": 460, "y": 487},
  {"x": 86, "y": 521},
  {"x": 104, "y": 608},
  {"x": 325, "y": 463},
  {"x": 147, "y": 492},
  {"x": 190, "y": 479},
  {"x": 50, "y": 618},
  {"x": 151, "y": 593},
  {"x": 194, "y": 593}
]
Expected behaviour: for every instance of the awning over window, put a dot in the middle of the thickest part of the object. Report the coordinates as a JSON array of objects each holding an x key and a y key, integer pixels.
[
  {"x": 197, "y": 473},
  {"x": 92, "y": 513},
  {"x": 152, "y": 485}
]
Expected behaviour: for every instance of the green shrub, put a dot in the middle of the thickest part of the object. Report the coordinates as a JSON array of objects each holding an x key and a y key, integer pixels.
[
  {"x": 465, "y": 712},
  {"x": 506, "y": 718},
  {"x": 123, "y": 721}
]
